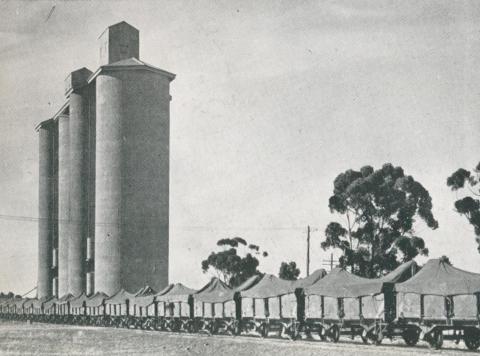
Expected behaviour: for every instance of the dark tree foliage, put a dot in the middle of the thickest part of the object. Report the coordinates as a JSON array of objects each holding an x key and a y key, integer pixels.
[
  {"x": 446, "y": 260},
  {"x": 289, "y": 271},
  {"x": 468, "y": 206},
  {"x": 9, "y": 295},
  {"x": 380, "y": 208},
  {"x": 229, "y": 265}
]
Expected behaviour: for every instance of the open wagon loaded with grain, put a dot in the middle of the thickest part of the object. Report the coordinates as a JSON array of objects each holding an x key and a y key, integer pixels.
[{"x": 441, "y": 302}]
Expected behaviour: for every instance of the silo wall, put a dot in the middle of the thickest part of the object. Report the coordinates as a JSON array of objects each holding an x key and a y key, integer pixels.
[
  {"x": 48, "y": 141},
  {"x": 132, "y": 180},
  {"x": 79, "y": 173},
  {"x": 63, "y": 202}
]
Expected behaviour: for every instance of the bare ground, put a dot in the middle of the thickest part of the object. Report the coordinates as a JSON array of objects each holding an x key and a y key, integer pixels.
[{"x": 18, "y": 338}]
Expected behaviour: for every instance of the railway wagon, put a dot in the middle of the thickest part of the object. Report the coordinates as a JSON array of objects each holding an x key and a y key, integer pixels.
[
  {"x": 139, "y": 313},
  {"x": 77, "y": 310},
  {"x": 217, "y": 307},
  {"x": 9, "y": 308},
  {"x": 35, "y": 309},
  {"x": 175, "y": 309},
  {"x": 18, "y": 308},
  {"x": 214, "y": 307},
  {"x": 3, "y": 308},
  {"x": 441, "y": 302},
  {"x": 117, "y": 309},
  {"x": 49, "y": 310},
  {"x": 62, "y": 309},
  {"x": 145, "y": 308},
  {"x": 271, "y": 305},
  {"x": 343, "y": 303},
  {"x": 95, "y": 309}
]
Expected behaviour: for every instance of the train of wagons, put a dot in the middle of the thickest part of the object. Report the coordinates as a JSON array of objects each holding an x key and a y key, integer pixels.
[{"x": 434, "y": 303}]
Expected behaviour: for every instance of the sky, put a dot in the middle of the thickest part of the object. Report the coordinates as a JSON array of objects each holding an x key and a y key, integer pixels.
[{"x": 272, "y": 100}]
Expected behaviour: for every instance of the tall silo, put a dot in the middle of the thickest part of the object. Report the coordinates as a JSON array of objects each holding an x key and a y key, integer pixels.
[
  {"x": 78, "y": 92},
  {"x": 63, "y": 202},
  {"x": 48, "y": 141},
  {"x": 132, "y": 171}
]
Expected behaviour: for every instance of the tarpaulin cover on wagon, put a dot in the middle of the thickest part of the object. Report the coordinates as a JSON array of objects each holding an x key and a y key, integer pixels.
[
  {"x": 50, "y": 303},
  {"x": 336, "y": 284},
  {"x": 146, "y": 296},
  {"x": 178, "y": 293},
  {"x": 79, "y": 301},
  {"x": 269, "y": 286},
  {"x": 218, "y": 292},
  {"x": 96, "y": 300},
  {"x": 377, "y": 285},
  {"x": 65, "y": 299},
  {"x": 438, "y": 277},
  {"x": 311, "y": 279},
  {"x": 120, "y": 297},
  {"x": 215, "y": 291},
  {"x": 342, "y": 284}
]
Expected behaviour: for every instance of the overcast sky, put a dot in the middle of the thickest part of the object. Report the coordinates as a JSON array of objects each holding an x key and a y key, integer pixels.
[{"x": 272, "y": 100}]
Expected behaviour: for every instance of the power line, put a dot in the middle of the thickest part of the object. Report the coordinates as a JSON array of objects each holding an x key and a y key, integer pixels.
[{"x": 185, "y": 227}]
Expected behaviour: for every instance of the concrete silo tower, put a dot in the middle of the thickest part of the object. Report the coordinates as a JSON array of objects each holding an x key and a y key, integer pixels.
[
  {"x": 47, "y": 205},
  {"x": 132, "y": 166},
  {"x": 63, "y": 200},
  {"x": 78, "y": 93}
]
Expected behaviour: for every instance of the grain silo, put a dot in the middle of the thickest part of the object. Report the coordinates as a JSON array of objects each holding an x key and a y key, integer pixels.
[
  {"x": 47, "y": 204},
  {"x": 112, "y": 147},
  {"x": 132, "y": 166},
  {"x": 77, "y": 91},
  {"x": 63, "y": 201}
]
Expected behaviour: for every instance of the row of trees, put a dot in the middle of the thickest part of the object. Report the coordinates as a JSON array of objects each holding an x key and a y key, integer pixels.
[{"x": 379, "y": 209}]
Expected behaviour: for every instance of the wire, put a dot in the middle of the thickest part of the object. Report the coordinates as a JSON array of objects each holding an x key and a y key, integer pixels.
[{"x": 186, "y": 228}]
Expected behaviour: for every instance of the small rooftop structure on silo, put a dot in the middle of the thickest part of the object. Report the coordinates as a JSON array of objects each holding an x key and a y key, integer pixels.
[{"x": 117, "y": 42}]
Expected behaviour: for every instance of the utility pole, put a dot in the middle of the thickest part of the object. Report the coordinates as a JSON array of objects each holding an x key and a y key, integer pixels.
[
  {"x": 330, "y": 262},
  {"x": 308, "y": 250}
]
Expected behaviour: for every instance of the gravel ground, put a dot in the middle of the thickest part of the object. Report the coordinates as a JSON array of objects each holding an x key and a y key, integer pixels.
[{"x": 43, "y": 339}]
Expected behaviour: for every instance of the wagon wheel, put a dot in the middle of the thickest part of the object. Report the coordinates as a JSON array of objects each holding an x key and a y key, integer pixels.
[
  {"x": 214, "y": 328},
  {"x": 295, "y": 331},
  {"x": 365, "y": 339},
  {"x": 334, "y": 333},
  {"x": 263, "y": 330},
  {"x": 321, "y": 334},
  {"x": 377, "y": 335},
  {"x": 410, "y": 336},
  {"x": 237, "y": 329},
  {"x": 435, "y": 340},
  {"x": 471, "y": 339}
]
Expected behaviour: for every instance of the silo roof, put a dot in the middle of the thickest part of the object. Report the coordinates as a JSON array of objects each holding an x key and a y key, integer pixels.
[{"x": 129, "y": 64}]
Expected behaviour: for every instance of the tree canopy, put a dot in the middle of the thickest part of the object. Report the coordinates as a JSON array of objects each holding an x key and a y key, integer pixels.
[
  {"x": 289, "y": 271},
  {"x": 379, "y": 208},
  {"x": 235, "y": 262},
  {"x": 469, "y": 205}
]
